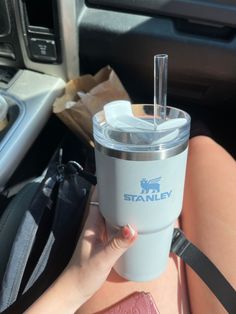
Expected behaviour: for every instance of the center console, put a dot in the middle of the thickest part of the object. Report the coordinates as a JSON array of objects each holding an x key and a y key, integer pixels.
[
  {"x": 29, "y": 96},
  {"x": 38, "y": 54}
]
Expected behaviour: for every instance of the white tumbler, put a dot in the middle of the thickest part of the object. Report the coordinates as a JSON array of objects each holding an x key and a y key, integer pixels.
[{"x": 141, "y": 173}]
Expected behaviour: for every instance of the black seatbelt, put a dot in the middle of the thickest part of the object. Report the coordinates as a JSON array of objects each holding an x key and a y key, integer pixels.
[{"x": 205, "y": 269}]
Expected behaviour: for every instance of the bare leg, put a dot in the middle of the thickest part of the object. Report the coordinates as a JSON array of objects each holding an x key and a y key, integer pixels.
[
  {"x": 209, "y": 216},
  {"x": 209, "y": 220},
  {"x": 168, "y": 291}
]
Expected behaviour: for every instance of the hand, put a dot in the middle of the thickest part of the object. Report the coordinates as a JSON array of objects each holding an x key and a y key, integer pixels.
[
  {"x": 95, "y": 255},
  {"x": 88, "y": 269}
]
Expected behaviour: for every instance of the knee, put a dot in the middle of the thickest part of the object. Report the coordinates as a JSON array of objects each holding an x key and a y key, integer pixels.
[
  {"x": 201, "y": 140},
  {"x": 200, "y": 144},
  {"x": 203, "y": 149}
]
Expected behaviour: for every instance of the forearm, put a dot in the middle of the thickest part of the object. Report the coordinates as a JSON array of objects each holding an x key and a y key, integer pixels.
[
  {"x": 87, "y": 270},
  {"x": 63, "y": 296}
]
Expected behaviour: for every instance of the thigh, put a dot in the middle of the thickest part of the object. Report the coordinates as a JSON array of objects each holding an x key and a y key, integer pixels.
[
  {"x": 209, "y": 216},
  {"x": 168, "y": 291}
]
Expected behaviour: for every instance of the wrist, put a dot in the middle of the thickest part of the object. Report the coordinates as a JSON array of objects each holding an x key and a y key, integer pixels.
[
  {"x": 72, "y": 292},
  {"x": 62, "y": 297}
]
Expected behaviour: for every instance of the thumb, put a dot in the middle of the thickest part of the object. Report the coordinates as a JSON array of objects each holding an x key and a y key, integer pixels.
[{"x": 120, "y": 243}]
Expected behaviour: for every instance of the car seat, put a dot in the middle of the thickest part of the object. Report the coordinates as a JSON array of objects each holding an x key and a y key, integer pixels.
[{"x": 10, "y": 220}]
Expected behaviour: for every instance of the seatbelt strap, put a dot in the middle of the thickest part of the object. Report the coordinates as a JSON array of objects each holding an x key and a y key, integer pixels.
[{"x": 205, "y": 269}]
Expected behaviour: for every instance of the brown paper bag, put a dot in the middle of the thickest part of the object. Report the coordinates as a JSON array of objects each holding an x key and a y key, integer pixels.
[{"x": 84, "y": 97}]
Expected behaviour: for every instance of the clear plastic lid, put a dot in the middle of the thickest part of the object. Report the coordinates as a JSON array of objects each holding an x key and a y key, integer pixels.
[{"x": 136, "y": 130}]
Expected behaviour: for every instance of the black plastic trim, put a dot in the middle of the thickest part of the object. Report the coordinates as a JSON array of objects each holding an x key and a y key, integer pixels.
[
  {"x": 202, "y": 67},
  {"x": 222, "y": 12}
]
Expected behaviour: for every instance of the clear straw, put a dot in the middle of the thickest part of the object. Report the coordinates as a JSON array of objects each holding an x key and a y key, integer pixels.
[{"x": 160, "y": 85}]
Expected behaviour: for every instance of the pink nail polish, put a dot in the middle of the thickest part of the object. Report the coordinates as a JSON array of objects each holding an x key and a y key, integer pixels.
[
  {"x": 132, "y": 231},
  {"x": 128, "y": 232}
]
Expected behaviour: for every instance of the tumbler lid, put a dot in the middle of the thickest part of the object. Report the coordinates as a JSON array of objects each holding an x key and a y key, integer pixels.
[{"x": 130, "y": 128}]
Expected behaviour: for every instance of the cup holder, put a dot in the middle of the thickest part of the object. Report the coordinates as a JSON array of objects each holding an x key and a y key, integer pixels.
[
  {"x": 29, "y": 97},
  {"x": 12, "y": 110},
  {"x": 3, "y": 113},
  {"x": 6, "y": 123}
]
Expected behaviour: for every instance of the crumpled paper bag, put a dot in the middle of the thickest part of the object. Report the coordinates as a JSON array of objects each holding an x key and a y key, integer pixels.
[{"x": 84, "y": 97}]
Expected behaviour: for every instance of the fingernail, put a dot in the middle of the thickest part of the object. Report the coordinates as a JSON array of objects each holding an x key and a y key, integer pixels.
[
  {"x": 128, "y": 231},
  {"x": 132, "y": 231}
]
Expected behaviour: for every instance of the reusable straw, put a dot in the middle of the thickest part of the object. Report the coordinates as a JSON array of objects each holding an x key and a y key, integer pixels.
[{"x": 160, "y": 85}]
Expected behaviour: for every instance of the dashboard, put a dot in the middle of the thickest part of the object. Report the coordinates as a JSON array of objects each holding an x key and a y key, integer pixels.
[{"x": 40, "y": 36}]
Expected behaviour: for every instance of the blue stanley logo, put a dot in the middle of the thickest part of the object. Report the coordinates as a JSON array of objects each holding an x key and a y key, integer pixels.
[
  {"x": 150, "y": 192},
  {"x": 150, "y": 185}
]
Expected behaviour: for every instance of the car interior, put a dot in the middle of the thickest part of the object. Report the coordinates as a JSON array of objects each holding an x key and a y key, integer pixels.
[{"x": 45, "y": 44}]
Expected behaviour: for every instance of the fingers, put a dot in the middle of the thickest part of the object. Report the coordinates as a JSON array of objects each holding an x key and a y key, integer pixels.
[
  {"x": 94, "y": 217},
  {"x": 94, "y": 194},
  {"x": 119, "y": 244}
]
